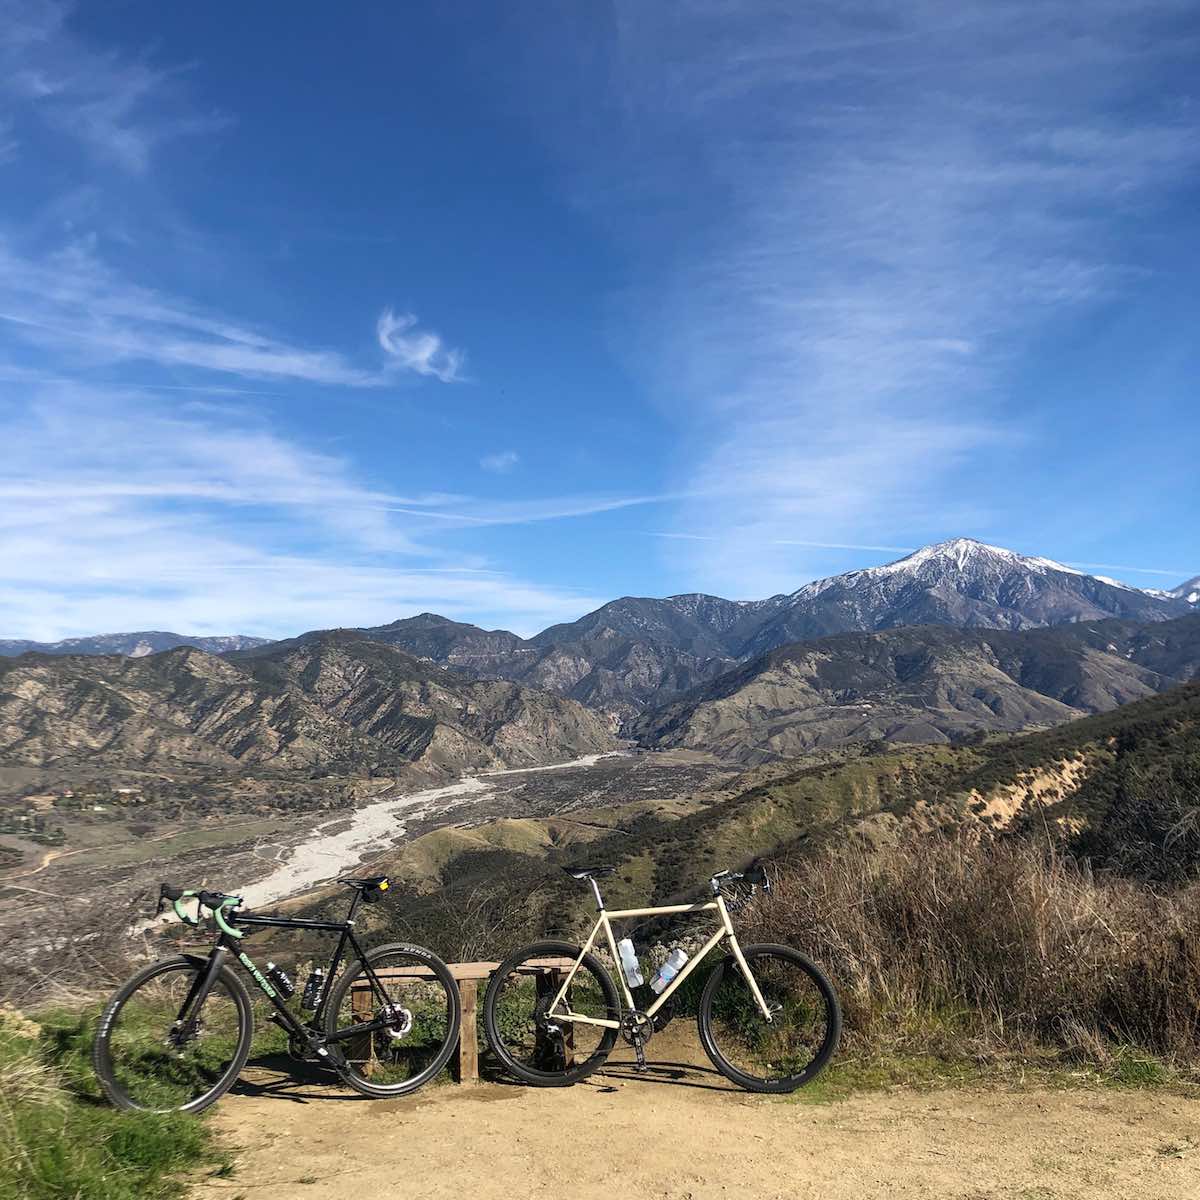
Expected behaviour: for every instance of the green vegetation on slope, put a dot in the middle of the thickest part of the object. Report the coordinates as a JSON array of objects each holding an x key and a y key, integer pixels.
[{"x": 58, "y": 1139}]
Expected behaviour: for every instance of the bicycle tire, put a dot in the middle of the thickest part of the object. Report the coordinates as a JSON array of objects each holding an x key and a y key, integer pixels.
[
  {"x": 102, "y": 1049},
  {"x": 427, "y": 959},
  {"x": 822, "y": 1054},
  {"x": 491, "y": 1020}
]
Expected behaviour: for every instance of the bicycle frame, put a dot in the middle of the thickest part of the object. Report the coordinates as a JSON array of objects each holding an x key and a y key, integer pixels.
[
  {"x": 309, "y": 1032},
  {"x": 604, "y": 922}
]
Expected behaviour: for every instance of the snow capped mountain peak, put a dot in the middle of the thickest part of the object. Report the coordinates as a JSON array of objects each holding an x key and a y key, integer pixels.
[
  {"x": 962, "y": 558},
  {"x": 963, "y": 553},
  {"x": 1188, "y": 592}
]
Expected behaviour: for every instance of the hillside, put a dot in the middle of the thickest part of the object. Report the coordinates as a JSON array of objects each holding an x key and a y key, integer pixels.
[
  {"x": 334, "y": 703},
  {"x": 1121, "y": 787},
  {"x": 923, "y": 684}
]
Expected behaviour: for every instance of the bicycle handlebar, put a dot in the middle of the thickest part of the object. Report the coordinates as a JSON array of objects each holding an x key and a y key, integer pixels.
[
  {"x": 216, "y": 902},
  {"x": 755, "y": 875}
]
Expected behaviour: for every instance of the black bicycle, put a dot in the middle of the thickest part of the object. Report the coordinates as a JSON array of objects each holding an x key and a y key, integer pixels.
[{"x": 176, "y": 1036}]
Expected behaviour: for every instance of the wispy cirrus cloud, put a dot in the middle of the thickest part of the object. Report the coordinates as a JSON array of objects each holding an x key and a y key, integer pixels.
[
  {"x": 415, "y": 349},
  {"x": 117, "y": 511},
  {"x": 500, "y": 462},
  {"x": 847, "y": 223},
  {"x": 119, "y": 108},
  {"x": 72, "y": 302}
]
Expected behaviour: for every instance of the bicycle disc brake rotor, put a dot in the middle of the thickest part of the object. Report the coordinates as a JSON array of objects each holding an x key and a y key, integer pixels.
[{"x": 400, "y": 1021}]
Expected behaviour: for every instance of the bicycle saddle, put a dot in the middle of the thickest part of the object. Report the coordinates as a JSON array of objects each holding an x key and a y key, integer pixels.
[
  {"x": 371, "y": 884},
  {"x": 588, "y": 872}
]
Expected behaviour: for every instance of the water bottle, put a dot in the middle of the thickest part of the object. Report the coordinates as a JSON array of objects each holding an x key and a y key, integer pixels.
[
  {"x": 312, "y": 989},
  {"x": 629, "y": 963},
  {"x": 669, "y": 969},
  {"x": 282, "y": 981}
]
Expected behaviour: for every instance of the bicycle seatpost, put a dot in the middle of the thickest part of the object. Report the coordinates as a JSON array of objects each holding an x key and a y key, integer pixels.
[{"x": 596, "y": 892}]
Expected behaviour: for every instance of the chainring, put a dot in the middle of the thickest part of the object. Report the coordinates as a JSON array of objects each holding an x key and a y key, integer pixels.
[{"x": 636, "y": 1026}]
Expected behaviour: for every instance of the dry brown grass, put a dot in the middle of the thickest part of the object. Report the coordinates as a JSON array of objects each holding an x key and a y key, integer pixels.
[{"x": 1001, "y": 944}]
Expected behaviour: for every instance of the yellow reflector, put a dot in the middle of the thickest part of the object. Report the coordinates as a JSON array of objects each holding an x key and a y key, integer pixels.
[{"x": 383, "y": 886}]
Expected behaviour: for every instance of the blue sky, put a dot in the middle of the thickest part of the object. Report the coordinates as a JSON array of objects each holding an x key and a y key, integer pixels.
[{"x": 328, "y": 316}]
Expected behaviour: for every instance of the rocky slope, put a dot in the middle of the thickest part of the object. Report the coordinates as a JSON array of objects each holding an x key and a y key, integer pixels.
[
  {"x": 135, "y": 645},
  {"x": 336, "y": 703},
  {"x": 923, "y": 684},
  {"x": 1188, "y": 592}
]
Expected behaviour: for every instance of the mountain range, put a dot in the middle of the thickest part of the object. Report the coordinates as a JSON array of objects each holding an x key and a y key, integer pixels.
[
  {"x": 923, "y": 683},
  {"x": 133, "y": 645},
  {"x": 333, "y": 703},
  {"x": 952, "y": 639},
  {"x": 637, "y": 652}
]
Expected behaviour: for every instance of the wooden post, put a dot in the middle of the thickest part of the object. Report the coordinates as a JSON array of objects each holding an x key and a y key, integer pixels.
[
  {"x": 361, "y": 1049},
  {"x": 546, "y": 983},
  {"x": 468, "y": 1044},
  {"x": 556, "y": 978}
]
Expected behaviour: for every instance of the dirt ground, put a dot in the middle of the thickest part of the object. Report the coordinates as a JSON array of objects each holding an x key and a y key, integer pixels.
[{"x": 681, "y": 1132}]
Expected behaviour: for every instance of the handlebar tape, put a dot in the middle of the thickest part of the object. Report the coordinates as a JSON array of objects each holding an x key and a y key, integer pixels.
[{"x": 227, "y": 902}]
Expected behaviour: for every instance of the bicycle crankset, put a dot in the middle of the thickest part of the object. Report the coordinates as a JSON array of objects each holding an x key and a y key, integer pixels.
[{"x": 637, "y": 1029}]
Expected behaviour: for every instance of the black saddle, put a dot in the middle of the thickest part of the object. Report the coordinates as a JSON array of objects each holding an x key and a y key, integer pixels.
[
  {"x": 588, "y": 872},
  {"x": 374, "y": 883}
]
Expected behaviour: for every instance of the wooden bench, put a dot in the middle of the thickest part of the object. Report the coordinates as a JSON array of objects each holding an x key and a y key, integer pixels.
[{"x": 549, "y": 972}]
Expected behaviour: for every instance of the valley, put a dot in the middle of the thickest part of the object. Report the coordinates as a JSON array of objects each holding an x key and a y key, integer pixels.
[
  {"x": 672, "y": 737},
  {"x": 115, "y": 860}
]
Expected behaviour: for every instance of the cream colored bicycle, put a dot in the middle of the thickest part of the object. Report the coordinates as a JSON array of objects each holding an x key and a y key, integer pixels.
[{"x": 769, "y": 1019}]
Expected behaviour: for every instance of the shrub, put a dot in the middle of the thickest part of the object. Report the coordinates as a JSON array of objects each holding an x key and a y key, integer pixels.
[{"x": 1004, "y": 942}]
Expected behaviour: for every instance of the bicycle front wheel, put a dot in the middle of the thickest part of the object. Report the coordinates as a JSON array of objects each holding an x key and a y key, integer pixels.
[
  {"x": 792, "y": 1048},
  {"x": 415, "y": 993},
  {"x": 539, "y": 1047},
  {"x": 156, "y": 1051}
]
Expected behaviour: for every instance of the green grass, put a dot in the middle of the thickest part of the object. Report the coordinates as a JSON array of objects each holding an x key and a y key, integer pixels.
[
  {"x": 58, "y": 1139},
  {"x": 849, "y": 1074},
  {"x": 853, "y": 1073}
]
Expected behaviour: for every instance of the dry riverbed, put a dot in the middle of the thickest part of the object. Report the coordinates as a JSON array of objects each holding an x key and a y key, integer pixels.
[{"x": 271, "y": 857}]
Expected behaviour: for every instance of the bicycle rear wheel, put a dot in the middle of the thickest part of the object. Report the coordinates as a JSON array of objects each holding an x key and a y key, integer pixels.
[
  {"x": 794, "y": 1046},
  {"x": 533, "y": 1045},
  {"x": 418, "y": 995},
  {"x": 155, "y": 1052}
]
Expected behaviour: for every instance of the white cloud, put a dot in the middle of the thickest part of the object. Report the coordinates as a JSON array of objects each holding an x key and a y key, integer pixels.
[
  {"x": 417, "y": 350},
  {"x": 845, "y": 226},
  {"x": 118, "y": 512},
  {"x": 121, "y": 109},
  {"x": 500, "y": 462},
  {"x": 73, "y": 303}
]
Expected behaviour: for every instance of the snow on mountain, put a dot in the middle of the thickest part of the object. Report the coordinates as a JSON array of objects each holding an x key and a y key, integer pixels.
[
  {"x": 961, "y": 582},
  {"x": 131, "y": 645},
  {"x": 1188, "y": 592}
]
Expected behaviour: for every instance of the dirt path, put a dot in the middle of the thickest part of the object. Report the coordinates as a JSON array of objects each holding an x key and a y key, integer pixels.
[{"x": 681, "y": 1133}]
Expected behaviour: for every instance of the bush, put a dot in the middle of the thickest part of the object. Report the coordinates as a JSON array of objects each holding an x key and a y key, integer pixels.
[{"x": 1001, "y": 942}]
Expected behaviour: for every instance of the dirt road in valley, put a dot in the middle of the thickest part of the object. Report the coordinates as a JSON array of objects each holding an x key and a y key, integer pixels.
[{"x": 682, "y": 1133}]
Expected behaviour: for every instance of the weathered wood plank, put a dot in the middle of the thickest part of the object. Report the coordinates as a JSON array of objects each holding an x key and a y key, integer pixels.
[{"x": 468, "y": 1046}]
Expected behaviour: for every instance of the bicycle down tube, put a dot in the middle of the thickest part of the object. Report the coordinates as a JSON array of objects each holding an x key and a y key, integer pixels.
[{"x": 604, "y": 921}]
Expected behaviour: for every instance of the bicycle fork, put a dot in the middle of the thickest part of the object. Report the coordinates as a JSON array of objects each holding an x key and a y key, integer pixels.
[{"x": 187, "y": 1020}]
